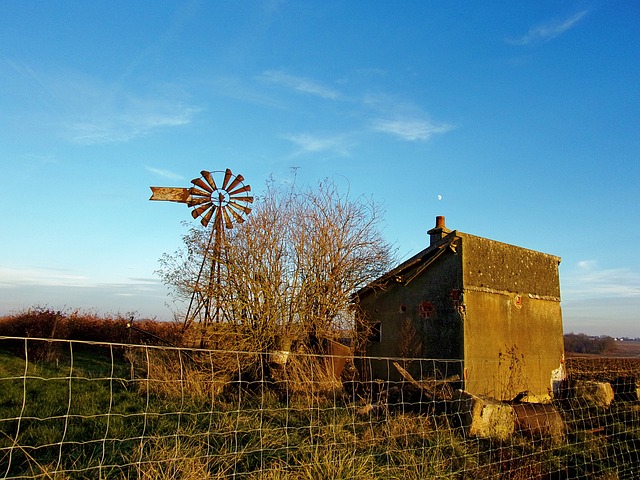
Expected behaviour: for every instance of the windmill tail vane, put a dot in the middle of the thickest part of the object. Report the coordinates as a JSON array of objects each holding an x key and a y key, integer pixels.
[{"x": 226, "y": 201}]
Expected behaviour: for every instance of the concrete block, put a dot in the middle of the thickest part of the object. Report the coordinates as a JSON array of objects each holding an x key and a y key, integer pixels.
[
  {"x": 485, "y": 417},
  {"x": 597, "y": 393}
]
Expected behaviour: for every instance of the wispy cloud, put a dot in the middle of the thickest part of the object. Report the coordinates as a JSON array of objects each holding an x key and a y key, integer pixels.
[
  {"x": 40, "y": 276},
  {"x": 57, "y": 288},
  {"x": 164, "y": 173},
  {"x": 549, "y": 30},
  {"x": 410, "y": 129},
  {"x": 385, "y": 113},
  {"x": 402, "y": 118},
  {"x": 300, "y": 84},
  {"x": 109, "y": 125},
  {"x": 588, "y": 280},
  {"x": 308, "y": 143},
  {"x": 238, "y": 89},
  {"x": 85, "y": 110},
  {"x": 60, "y": 277}
]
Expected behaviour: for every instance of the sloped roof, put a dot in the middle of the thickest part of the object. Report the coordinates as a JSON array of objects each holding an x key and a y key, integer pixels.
[{"x": 412, "y": 267}]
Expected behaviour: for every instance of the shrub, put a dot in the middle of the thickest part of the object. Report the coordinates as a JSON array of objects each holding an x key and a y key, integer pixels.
[
  {"x": 582, "y": 343},
  {"x": 44, "y": 322}
]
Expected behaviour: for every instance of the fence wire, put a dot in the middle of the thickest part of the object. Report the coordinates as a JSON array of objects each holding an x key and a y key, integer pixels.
[{"x": 72, "y": 409}]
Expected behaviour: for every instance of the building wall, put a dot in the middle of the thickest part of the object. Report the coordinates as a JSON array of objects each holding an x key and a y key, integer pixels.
[
  {"x": 513, "y": 321},
  {"x": 419, "y": 320},
  {"x": 503, "y": 267},
  {"x": 509, "y": 349}
]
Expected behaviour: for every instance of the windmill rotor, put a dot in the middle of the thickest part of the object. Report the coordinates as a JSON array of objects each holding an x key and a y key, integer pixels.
[
  {"x": 227, "y": 202},
  {"x": 220, "y": 195}
]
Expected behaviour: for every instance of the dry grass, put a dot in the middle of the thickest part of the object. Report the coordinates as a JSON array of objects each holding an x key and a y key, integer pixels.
[
  {"x": 197, "y": 376},
  {"x": 183, "y": 458},
  {"x": 307, "y": 375}
]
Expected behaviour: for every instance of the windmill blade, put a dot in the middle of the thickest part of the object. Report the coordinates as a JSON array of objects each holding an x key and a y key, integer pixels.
[
  {"x": 227, "y": 176},
  {"x": 207, "y": 216},
  {"x": 236, "y": 181},
  {"x": 238, "y": 218},
  {"x": 198, "y": 201},
  {"x": 245, "y": 188},
  {"x": 242, "y": 208},
  {"x": 196, "y": 212},
  {"x": 209, "y": 178},
  {"x": 201, "y": 183},
  {"x": 227, "y": 220},
  {"x": 199, "y": 193},
  {"x": 242, "y": 199}
]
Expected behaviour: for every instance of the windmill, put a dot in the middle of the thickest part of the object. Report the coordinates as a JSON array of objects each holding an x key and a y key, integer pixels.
[{"x": 223, "y": 198}]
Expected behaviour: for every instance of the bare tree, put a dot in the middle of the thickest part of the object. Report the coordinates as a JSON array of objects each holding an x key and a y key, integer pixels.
[{"x": 290, "y": 270}]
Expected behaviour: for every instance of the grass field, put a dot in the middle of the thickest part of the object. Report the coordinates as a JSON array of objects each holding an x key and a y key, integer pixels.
[
  {"x": 70, "y": 408},
  {"x": 90, "y": 411}
]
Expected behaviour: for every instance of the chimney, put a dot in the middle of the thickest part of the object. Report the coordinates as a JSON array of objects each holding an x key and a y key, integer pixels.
[{"x": 439, "y": 232}]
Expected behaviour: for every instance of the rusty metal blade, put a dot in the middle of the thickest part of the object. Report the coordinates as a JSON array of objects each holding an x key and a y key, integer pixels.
[
  {"x": 170, "y": 194},
  {"x": 196, "y": 212},
  {"x": 236, "y": 181},
  {"x": 207, "y": 217},
  {"x": 227, "y": 220},
  {"x": 209, "y": 178},
  {"x": 202, "y": 184},
  {"x": 192, "y": 202},
  {"x": 199, "y": 193},
  {"x": 227, "y": 177},
  {"x": 245, "y": 188},
  {"x": 242, "y": 208},
  {"x": 238, "y": 218},
  {"x": 242, "y": 199}
]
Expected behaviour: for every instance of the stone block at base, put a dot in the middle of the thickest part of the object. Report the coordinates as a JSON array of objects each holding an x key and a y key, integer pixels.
[
  {"x": 599, "y": 394},
  {"x": 485, "y": 417}
]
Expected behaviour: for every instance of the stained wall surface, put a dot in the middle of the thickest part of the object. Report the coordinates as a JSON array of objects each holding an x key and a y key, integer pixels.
[
  {"x": 418, "y": 320},
  {"x": 513, "y": 335}
]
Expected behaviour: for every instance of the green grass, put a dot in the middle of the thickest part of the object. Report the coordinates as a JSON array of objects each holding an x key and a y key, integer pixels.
[{"x": 116, "y": 427}]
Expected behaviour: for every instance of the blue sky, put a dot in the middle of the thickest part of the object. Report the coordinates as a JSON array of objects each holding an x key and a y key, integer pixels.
[{"x": 518, "y": 121}]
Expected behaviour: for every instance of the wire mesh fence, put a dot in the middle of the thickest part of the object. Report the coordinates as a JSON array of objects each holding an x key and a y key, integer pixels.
[{"x": 71, "y": 409}]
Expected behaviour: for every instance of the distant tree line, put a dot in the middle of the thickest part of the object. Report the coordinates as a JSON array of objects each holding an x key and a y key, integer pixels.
[
  {"x": 582, "y": 343},
  {"x": 45, "y": 322}
]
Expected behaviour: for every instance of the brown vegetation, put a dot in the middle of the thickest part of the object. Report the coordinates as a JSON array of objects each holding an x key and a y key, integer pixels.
[
  {"x": 582, "y": 343},
  {"x": 43, "y": 322},
  {"x": 287, "y": 273}
]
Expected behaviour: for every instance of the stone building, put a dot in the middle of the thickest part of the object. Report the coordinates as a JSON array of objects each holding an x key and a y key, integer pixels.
[{"x": 492, "y": 308}]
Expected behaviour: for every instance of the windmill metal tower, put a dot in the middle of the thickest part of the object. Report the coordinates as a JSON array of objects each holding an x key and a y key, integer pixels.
[{"x": 223, "y": 197}]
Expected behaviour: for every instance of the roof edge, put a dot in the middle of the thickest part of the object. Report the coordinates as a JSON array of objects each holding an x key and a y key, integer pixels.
[{"x": 415, "y": 261}]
